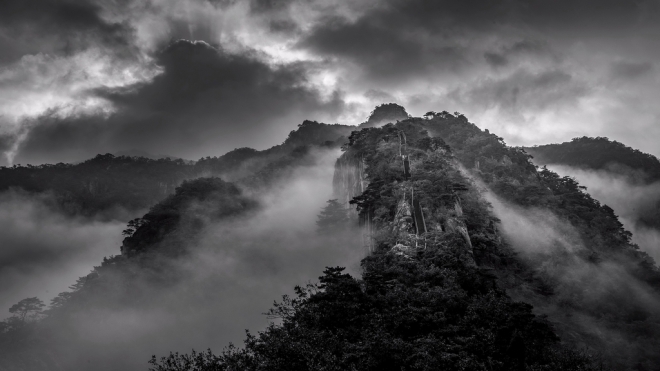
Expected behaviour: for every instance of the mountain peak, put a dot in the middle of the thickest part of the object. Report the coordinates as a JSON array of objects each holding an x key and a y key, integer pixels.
[{"x": 385, "y": 113}]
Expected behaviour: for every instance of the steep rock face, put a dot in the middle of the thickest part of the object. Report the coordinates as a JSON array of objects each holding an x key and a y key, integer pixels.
[
  {"x": 350, "y": 178},
  {"x": 413, "y": 199},
  {"x": 457, "y": 220}
]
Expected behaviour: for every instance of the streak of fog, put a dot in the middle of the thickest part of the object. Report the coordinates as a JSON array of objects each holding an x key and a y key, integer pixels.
[
  {"x": 238, "y": 268},
  {"x": 43, "y": 252},
  {"x": 629, "y": 199}
]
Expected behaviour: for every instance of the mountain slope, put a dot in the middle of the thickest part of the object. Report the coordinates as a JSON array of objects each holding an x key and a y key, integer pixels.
[
  {"x": 599, "y": 154},
  {"x": 423, "y": 302},
  {"x": 478, "y": 260},
  {"x": 112, "y": 186},
  {"x": 624, "y": 178},
  {"x": 545, "y": 241}
]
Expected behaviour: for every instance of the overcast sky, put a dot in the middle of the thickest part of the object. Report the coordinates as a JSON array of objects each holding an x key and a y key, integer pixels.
[{"x": 202, "y": 77}]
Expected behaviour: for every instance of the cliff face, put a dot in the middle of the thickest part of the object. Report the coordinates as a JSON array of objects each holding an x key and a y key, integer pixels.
[
  {"x": 350, "y": 178},
  {"x": 426, "y": 299},
  {"x": 423, "y": 198}
]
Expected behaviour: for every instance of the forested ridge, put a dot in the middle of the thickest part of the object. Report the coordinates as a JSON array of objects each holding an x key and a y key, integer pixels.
[
  {"x": 446, "y": 284},
  {"x": 439, "y": 299},
  {"x": 598, "y": 154},
  {"x": 107, "y": 184}
]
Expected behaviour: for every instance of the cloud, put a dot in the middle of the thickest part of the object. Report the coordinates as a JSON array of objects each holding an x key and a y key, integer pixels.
[
  {"x": 235, "y": 271},
  {"x": 636, "y": 204},
  {"x": 44, "y": 252},
  {"x": 530, "y": 72},
  {"x": 57, "y": 27},
  {"x": 631, "y": 70},
  {"x": 205, "y": 102},
  {"x": 593, "y": 304}
]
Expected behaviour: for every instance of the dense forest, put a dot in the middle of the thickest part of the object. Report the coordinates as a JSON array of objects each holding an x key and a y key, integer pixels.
[
  {"x": 450, "y": 282},
  {"x": 598, "y": 154}
]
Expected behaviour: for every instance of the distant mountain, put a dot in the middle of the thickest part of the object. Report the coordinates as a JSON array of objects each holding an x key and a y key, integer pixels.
[
  {"x": 136, "y": 281},
  {"x": 599, "y": 154},
  {"x": 138, "y": 153},
  {"x": 109, "y": 185}
]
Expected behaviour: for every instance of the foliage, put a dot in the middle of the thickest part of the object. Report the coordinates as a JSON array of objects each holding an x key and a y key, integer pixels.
[
  {"x": 423, "y": 308},
  {"x": 385, "y": 113},
  {"x": 333, "y": 218},
  {"x": 598, "y": 153},
  {"x": 27, "y": 308}
]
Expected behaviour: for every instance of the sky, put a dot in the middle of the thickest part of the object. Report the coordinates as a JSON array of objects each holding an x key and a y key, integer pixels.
[{"x": 199, "y": 78}]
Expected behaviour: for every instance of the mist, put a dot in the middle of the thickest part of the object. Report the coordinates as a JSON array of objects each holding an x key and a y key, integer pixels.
[
  {"x": 594, "y": 304},
  {"x": 633, "y": 201},
  {"x": 43, "y": 251},
  {"x": 237, "y": 268}
]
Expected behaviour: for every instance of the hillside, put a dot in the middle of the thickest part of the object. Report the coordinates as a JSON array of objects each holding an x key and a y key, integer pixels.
[
  {"x": 112, "y": 186},
  {"x": 598, "y": 154},
  {"x": 437, "y": 288},
  {"x": 476, "y": 259},
  {"x": 134, "y": 280}
]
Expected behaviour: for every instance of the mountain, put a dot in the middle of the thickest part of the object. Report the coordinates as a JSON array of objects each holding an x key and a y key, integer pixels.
[
  {"x": 599, "y": 154},
  {"x": 476, "y": 259},
  {"x": 384, "y": 114},
  {"x": 624, "y": 178},
  {"x": 112, "y": 186},
  {"x": 458, "y": 225},
  {"x": 138, "y": 153}
]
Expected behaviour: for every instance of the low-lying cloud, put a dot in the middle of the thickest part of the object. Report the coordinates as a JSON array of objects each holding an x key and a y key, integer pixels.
[
  {"x": 636, "y": 204},
  {"x": 43, "y": 252},
  {"x": 237, "y": 268},
  {"x": 594, "y": 304}
]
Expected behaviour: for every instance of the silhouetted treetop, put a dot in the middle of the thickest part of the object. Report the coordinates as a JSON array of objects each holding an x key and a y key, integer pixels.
[{"x": 385, "y": 113}]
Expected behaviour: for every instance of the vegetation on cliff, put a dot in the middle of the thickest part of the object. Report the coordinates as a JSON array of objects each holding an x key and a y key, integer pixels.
[{"x": 424, "y": 301}]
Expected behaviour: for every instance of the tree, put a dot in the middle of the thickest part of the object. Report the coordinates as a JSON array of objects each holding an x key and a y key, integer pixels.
[
  {"x": 27, "y": 308},
  {"x": 332, "y": 218}
]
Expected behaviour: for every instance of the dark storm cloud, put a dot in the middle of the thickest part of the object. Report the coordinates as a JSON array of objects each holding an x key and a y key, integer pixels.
[
  {"x": 631, "y": 70},
  {"x": 384, "y": 46},
  {"x": 402, "y": 41},
  {"x": 526, "y": 91},
  {"x": 55, "y": 26},
  {"x": 206, "y": 102},
  {"x": 520, "y": 50},
  {"x": 425, "y": 55}
]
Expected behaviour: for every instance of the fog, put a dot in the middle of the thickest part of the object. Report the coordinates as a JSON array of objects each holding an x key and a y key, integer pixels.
[
  {"x": 43, "y": 251},
  {"x": 594, "y": 304},
  {"x": 631, "y": 200},
  {"x": 237, "y": 269}
]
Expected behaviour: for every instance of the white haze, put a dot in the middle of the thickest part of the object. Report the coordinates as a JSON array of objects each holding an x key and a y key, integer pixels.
[
  {"x": 238, "y": 268},
  {"x": 43, "y": 252},
  {"x": 554, "y": 248},
  {"x": 629, "y": 200}
]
